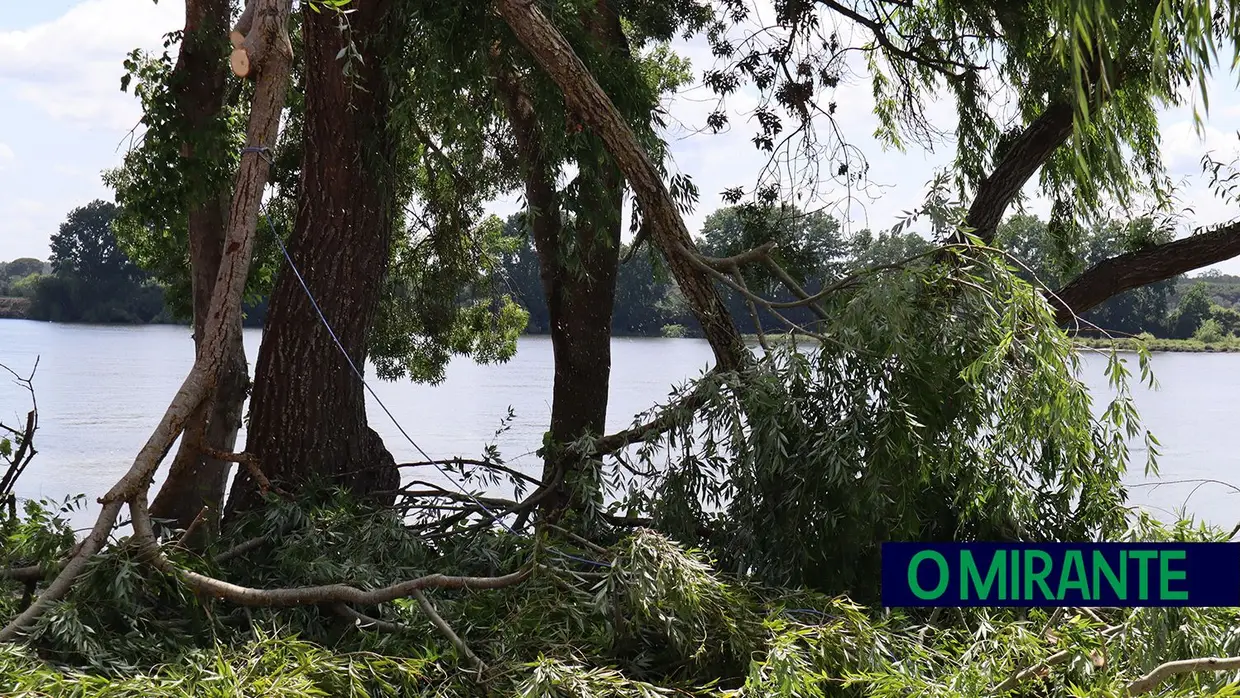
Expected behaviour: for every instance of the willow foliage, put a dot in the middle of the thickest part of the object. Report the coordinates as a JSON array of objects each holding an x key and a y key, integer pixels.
[
  {"x": 643, "y": 616},
  {"x": 943, "y": 405}
]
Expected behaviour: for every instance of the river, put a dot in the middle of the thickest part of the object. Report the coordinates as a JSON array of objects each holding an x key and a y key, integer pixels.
[{"x": 101, "y": 389}]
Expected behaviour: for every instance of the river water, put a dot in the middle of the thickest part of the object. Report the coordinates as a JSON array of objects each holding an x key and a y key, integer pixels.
[{"x": 101, "y": 389}]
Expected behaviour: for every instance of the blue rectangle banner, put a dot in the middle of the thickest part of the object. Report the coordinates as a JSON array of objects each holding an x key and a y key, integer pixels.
[{"x": 1061, "y": 574}]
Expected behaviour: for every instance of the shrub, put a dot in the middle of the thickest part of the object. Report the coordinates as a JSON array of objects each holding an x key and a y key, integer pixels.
[
  {"x": 674, "y": 331},
  {"x": 1210, "y": 332}
]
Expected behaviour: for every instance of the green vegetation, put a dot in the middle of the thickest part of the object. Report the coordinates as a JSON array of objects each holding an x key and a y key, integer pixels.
[
  {"x": 726, "y": 545},
  {"x": 657, "y": 620}
]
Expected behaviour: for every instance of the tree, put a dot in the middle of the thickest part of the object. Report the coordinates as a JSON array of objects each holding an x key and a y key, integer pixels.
[
  {"x": 86, "y": 247},
  {"x": 1228, "y": 319},
  {"x": 888, "y": 247},
  {"x": 659, "y": 209},
  {"x": 576, "y": 229},
  {"x": 1193, "y": 310},
  {"x": 94, "y": 280},
  {"x": 22, "y": 267},
  {"x": 308, "y": 409},
  {"x": 267, "y": 58}
]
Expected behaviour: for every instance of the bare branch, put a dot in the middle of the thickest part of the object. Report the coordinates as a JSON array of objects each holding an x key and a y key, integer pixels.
[
  {"x": 1162, "y": 672},
  {"x": 443, "y": 627},
  {"x": 250, "y": 462},
  {"x": 366, "y": 622}
]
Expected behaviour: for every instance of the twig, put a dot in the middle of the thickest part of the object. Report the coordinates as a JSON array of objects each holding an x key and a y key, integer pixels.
[
  {"x": 192, "y": 528},
  {"x": 250, "y": 462},
  {"x": 240, "y": 549},
  {"x": 585, "y": 543},
  {"x": 446, "y": 630},
  {"x": 476, "y": 463},
  {"x": 366, "y": 622}
]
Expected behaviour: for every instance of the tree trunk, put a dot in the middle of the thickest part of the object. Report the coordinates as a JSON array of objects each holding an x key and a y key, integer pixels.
[
  {"x": 580, "y": 303},
  {"x": 584, "y": 96},
  {"x": 581, "y": 299},
  {"x": 196, "y": 483},
  {"x": 308, "y": 411}
]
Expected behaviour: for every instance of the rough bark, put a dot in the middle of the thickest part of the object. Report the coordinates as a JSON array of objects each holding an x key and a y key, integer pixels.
[
  {"x": 272, "y": 77},
  {"x": 195, "y": 482},
  {"x": 1031, "y": 149},
  {"x": 1113, "y": 276},
  {"x": 581, "y": 299},
  {"x": 584, "y": 96},
  {"x": 308, "y": 410}
]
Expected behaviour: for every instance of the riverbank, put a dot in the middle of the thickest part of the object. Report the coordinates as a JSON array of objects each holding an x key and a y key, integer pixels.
[
  {"x": 1189, "y": 346},
  {"x": 1228, "y": 345},
  {"x": 12, "y": 308}
]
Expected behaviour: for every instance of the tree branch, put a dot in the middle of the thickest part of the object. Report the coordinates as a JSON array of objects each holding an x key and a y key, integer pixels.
[
  {"x": 366, "y": 622},
  {"x": 1160, "y": 673},
  {"x": 1031, "y": 150},
  {"x": 446, "y": 630},
  {"x": 1113, "y": 276},
  {"x": 1054, "y": 660},
  {"x": 587, "y": 99}
]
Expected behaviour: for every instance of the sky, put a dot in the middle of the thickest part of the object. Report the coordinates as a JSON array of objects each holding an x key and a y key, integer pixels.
[{"x": 63, "y": 120}]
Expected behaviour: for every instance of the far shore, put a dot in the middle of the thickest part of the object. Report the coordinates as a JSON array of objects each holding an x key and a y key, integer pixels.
[
  {"x": 1192, "y": 346},
  {"x": 15, "y": 309}
]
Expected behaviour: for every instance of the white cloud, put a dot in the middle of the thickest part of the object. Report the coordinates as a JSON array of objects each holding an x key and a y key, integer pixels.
[
  {"x": 1182, "y": 146},
  {"x": 69, "y": 69},
  {"x": 59, "y": 81}
]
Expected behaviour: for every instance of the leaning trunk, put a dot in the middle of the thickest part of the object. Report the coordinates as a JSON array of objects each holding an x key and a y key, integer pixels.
[
  {"x": 668, "y": 232},
  {"x": 195, "y": 484},
  {"x": 308, "y": 410}
]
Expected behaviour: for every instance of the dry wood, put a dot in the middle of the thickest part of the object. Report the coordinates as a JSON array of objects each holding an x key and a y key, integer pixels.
[{"x": 239, "y": 61}]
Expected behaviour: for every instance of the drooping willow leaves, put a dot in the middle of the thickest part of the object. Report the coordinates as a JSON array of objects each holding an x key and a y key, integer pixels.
[{"x": 943, "y": 405}]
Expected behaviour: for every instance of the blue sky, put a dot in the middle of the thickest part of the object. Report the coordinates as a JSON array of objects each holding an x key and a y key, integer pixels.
[{"x": 63, "y": 119}]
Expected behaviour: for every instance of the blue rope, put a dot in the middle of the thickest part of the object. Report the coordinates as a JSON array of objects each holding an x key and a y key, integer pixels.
[{"x": 322, "y": 318}]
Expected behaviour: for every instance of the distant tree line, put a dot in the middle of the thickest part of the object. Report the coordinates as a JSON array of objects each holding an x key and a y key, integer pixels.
[
  {"x": 811, "y": 245},
  {"x": 1175, "y": 308},
  {"x": 89, "y": 277}
]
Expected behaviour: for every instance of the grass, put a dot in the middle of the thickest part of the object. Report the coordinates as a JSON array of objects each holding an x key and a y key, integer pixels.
[{"x": 1225, "y": 345}]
